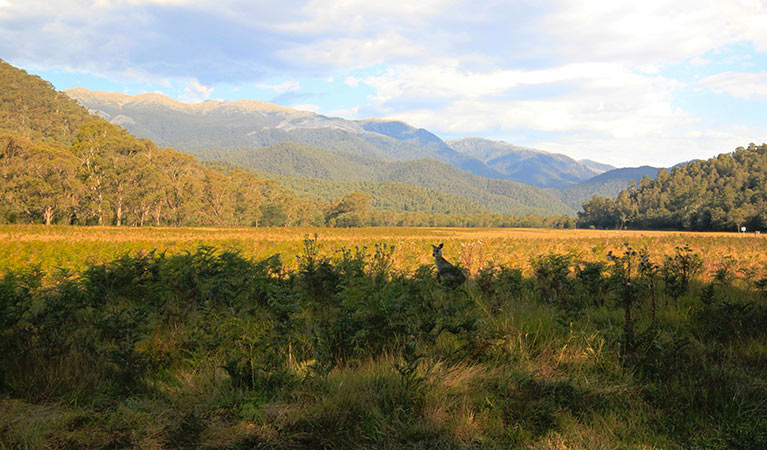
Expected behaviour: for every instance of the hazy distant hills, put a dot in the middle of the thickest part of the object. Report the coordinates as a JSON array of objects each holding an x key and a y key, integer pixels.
[
  {"x": 249, "y": 124},
  {"x": 299, "y": 161},
  {"x": 608, "y": 184},
  {"x": 527, "y": 165}
]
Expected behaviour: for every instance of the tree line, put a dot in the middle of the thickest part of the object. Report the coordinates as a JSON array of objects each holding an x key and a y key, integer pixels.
[
  {"x": 109, "y": 177},
  {"x": 59, "y": 164},
  {"x": 724, "y": 193}
]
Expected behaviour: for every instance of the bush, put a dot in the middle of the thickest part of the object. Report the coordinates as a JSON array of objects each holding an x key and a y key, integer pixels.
[{"x": 552, "y": 272}]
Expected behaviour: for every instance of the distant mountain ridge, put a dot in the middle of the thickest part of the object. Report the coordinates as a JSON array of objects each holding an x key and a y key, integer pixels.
[
  {"x": 250, "y": 124},
  {"x": 527, "y": 165}
]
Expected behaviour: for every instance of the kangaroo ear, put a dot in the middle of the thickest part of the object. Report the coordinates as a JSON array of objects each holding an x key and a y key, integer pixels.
[{"x": 440, "y": 245}]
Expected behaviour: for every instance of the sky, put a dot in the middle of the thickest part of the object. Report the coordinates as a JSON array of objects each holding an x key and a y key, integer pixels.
[{"x": 621, "y": 82}]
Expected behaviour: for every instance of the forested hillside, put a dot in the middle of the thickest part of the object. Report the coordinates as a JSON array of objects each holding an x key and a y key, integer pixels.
[
  {"x": 59, "y": 164},
  {"x": 32, "y": 109},
  {"x": 390, "y": 196},
  {"x": 297, "y": 160},
  {"x": 500, "y": 196},
  {"x": 108, "y": 177},
  {"x": 608, "y": 185},
  {"x": 722, "y": 193}
]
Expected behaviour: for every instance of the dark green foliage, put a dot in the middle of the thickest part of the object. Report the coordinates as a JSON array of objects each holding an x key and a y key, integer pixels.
[
  {"x": 727, "y": 321},
  {"x": 532, "y": 406},
  {"x": 553, "y": 274},
  {"x": 660, "y": 355},
  {"x": 499, "y": 284},
  {"x": 592, "y": 280},
  {"x": 761, "y": 285},
  {"x": 346, "y": 351},
  {"x": 303, "y": 168},
  {"x": 624, "y": 270},
  {"x": 363, "y": 307},
  {"x": 648, "y": 276},
  {"x": 45, "y": 329},
  {"x": 679, "y": 269},
  {"x": 725, "y": 193}
]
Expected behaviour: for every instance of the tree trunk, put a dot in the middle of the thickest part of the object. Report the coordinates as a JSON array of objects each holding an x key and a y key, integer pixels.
[
  {"x": 48, "y": 215},
  {"x": 158, "y": 213},
  {"x": 119, "y": 214}
]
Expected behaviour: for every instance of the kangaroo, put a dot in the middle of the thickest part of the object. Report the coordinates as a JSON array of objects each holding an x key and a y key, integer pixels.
[{"x": 447, "y": 273}]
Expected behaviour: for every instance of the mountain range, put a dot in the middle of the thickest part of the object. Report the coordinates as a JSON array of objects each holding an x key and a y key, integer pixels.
[
  {"x": 527, "y": 165},
  {"x": 298, "y": 144}
]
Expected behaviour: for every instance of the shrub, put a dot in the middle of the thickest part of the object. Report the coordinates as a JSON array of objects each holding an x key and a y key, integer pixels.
[{"x": 552, "y": 272}]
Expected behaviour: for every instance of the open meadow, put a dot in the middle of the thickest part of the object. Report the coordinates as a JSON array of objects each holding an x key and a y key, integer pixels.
[
  {"x": 203, "y": 338},
  {"x": 70, "y": 247}
]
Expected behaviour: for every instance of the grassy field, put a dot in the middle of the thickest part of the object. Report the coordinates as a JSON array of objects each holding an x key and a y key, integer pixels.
[
  {"x": 75, "y": 247},
  {"x": 200, "y": 338}
]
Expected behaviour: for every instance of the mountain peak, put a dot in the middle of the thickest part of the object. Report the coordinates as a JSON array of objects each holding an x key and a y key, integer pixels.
[
  {"x": 97, "y": 99},
  {"x": 527, "y": 165}
]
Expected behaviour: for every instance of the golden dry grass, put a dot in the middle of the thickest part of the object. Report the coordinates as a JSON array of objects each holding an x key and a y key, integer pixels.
[{"x": 75, "y": 247}]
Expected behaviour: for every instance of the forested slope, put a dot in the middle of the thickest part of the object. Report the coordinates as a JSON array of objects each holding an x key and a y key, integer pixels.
[
  {"x": 608, "y": 185},
  {"x": 500, "y": 196},
  {"x": 32, "y": 109},
  {"x": 389, "y": 196},
  {"x": 59, "y": 164},
  {"x": 722, "y": 193}
]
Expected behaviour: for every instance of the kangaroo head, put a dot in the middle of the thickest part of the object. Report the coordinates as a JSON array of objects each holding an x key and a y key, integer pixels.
[{"x": 437, "y": 250}]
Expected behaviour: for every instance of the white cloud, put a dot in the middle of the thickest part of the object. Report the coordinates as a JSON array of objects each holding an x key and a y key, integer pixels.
[
  {"x": 654, "y": 30},
  {"x": 195, "y": 92},
  {"x": 359, "y": 16},
  {"x": 113, "y": 3},
  {"x": 448, "y": 80},
  {"x": 603, "y": 101},
  {"x": 742, "y": 85},
  {"x": 355, "y": 51},
  {"x": 287, "y": 86},
  {"x": 587, "y": 71},
  {"x": 698, "y": 61}
]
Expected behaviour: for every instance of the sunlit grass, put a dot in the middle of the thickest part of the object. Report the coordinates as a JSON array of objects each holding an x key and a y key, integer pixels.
[{"x": 75, "y": 247}]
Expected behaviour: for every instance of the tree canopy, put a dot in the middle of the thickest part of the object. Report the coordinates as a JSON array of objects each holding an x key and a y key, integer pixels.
[{"x": 725, "y": 193}]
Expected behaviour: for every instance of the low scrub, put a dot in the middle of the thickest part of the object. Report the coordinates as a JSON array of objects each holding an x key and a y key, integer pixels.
[{"x": 210, "y": 349}]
